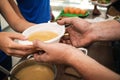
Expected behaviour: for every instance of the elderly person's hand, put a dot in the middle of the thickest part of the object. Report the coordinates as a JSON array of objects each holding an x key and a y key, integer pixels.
[
  {"x": 55, "y": 52},
  {"x": 10, "y": 47},
  {"x": 83, "y": 32},
  {"x": 78, "y": 30}
]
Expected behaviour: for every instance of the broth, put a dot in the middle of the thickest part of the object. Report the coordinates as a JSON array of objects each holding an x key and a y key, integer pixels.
[
  {"x": 42, "y": 35},
  {"x": 36, "y": 72}
]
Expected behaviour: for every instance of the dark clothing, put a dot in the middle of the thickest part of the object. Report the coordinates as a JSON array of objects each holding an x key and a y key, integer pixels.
[
  {"x": 36, "y": 11},
  {"x": 7, "y": 64},
  {"x": 5, "y": 61}
]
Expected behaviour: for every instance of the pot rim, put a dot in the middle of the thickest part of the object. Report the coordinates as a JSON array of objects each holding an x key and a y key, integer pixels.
[{"x": 14, "y": 69}]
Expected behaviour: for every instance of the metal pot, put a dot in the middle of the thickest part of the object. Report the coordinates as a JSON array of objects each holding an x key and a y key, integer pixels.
[{"x": 29, "y": 62}]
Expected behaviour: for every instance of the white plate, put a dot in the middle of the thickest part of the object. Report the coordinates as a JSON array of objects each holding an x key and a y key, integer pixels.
[{"x": 99, "y": 4}]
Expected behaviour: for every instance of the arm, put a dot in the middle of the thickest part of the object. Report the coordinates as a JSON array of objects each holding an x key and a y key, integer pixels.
[
  {"x": 7, "y": 43},
  {"x": 17, "y": 23},
  {"x": 86, "y": 66},
  {"x": 90, "y": 69},
  {"x": 15, "y": 7},
  {"x": 106, "y": 30},
  {"x": 83, "y": 32}
]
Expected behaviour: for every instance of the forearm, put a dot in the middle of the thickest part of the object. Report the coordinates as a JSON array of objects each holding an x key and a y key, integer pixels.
[
  {"x": 8, "y": 13},
  {"x": 15, "y": 7},
  {"x": 22, "y": 25},
  {"x": 90, "y": 69},
  {"x": 107, "y": 30},
  {"x": 12, "y": 18}
]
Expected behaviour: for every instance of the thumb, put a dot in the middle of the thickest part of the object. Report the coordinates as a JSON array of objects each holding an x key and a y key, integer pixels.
[{"x": 38, "y": 44}]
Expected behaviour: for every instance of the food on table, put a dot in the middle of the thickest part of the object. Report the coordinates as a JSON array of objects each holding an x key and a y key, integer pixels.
[
  {"x": 83, "y": 11},
  {"x": 66, "y": 10},
  {"x": 73, "y": 10},
  {"x": 77, "y": 11}
]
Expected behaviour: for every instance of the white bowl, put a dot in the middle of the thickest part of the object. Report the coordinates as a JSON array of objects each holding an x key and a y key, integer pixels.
[{"x": 54, "y": 27}]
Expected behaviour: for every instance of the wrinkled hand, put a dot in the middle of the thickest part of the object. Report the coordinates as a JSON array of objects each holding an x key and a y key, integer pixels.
[
  {"x": 78, "y": 31},
  {"x": 10, "y": 47},
  {"x": 55, "y": 52}
]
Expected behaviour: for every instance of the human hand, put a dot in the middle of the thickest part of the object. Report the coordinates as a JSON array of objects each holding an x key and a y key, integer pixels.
[
  {"x": 91, "y": 32},
  {"x": 10, "y": 47},
  {"x": 78, "y": 30},
  {"x": 55, "y": 52}
]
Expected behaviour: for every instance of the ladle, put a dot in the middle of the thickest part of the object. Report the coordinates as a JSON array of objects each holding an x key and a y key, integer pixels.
[{"x": 7, "y": 73}]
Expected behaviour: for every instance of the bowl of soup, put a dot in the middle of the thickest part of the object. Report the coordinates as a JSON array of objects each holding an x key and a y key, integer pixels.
[
  {"x": 46, "y": 32},
  {"x": 29, "y": 69}
]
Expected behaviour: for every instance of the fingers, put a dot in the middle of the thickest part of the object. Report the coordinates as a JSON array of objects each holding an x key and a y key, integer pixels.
[
  {"x": 41, "y": 58},
  {"x": 66, "y": 39},
  {"x": 75, "y": 39},
  {"x": 20, "y": 46},
  {"x": 18, "y": 49},
  {"x": 65, "y": 21},
  {"x": 38, "y": 45},
  {"x": 18, "y": 53},
  {"x": 17, "y": 36}
]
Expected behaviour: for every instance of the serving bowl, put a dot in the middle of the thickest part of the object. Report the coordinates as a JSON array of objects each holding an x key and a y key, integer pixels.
[{"x": 53, "y": 27}]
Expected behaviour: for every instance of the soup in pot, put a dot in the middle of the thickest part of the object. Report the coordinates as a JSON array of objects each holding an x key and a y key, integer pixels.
[
  {"x": 36, "y": 72},
  {"x": 42, "y": 35}
]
